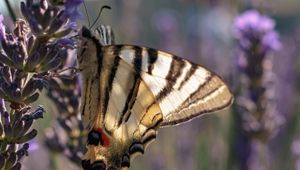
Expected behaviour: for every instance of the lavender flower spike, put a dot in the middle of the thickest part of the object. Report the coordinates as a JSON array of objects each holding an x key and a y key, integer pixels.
[
  {"x": 72, "y": 10},
  {"x": 259, "y": 118},
  {"x": 251, "y": 26},
  {"x": 30, "y": 55},
  {"x": 2, "y": 28}
]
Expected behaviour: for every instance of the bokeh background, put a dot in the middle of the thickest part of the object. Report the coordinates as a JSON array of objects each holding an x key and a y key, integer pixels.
[{"x": 201, "y": 31}]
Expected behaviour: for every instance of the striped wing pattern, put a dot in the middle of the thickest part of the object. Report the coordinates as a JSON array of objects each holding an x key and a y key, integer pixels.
[
  {"x": 182, "y": 89},
  {"x": 130, "y": 91}
]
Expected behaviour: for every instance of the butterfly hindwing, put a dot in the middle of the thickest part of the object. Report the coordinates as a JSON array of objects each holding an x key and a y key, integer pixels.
[{"x": 132, "y": 115}]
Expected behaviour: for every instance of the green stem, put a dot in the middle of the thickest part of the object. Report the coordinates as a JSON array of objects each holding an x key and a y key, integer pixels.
[
  {"x": 53, "y": 161},
  {"x": 11, "y": 114},
  {"x": 3, "y": 146},
  {"x": 10, "y": 11}
]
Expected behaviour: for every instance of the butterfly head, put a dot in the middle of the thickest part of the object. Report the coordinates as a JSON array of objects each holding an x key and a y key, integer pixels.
[
  {"x": 91, "y": 43},
  {"x": 89, "y": 49}
]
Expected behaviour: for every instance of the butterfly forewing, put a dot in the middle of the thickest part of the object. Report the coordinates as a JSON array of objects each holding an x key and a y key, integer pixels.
[
  {"x": 105, "y": 34},
  {"x": 183, "y": 90}
]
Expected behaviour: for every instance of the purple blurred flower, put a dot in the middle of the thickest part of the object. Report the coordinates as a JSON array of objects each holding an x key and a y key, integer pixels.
[
  {"x": 2, "y": 28},
  {"x": 69, "y": 137},
  {"x": 296, "y": 147},
  {"x": 66, "y": 42},
  {"x": 72, "y": 10},
  {"x": 33, "y": 145},
  {"x": 296, "y": 150},
  {"x": 252, "y": 28},
  {"x": 257, "y": 110}
]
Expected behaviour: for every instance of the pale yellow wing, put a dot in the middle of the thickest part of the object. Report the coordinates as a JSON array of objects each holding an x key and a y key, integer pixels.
[{"x": 182, "y": 90}]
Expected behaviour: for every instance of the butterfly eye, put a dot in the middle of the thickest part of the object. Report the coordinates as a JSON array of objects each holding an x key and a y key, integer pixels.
[
  {"x": 125, "y": 161},
  {"x": 86, "y": 32},
  {"x": 94, "y": 138}
]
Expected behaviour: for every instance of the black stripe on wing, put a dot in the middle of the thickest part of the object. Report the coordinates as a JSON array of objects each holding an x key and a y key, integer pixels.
[
  {"x": 152, "y": 57},
  {"x": 189, "y": 74},
  {"x": 108, "y": 89},
  {"x": 137, "y": 63},
  {"x": 175, "y": 71}
]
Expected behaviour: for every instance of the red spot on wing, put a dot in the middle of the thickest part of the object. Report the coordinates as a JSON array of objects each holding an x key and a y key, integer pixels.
[{"x": 104, "y": 137}]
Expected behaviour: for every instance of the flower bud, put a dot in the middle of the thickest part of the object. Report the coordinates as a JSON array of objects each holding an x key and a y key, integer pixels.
[
  {"x": 17, "y": 166},
  {"x": 57, "y": 23},
  {"x": 10, "y": 161},
  {"x": 48, "y": 15},
  {"x": 27, "y": 119},
  {"x": 6, "y": 60},
  {"x": 17, "y": 129},
  {"x": 30, "y": 43},
  {"x": 31, "y": 98},
  {"x": 23, "y": 151},
  {"x": 11, "y": 148},
  {"x": 30, "y": 88},
  {"x": 6, "y": 72},
  {"x": 17, "y": 60},
  {"x": 2, "y": 94},
  {"x": 63, "y": 33},
  {"x": 35, "y": 29},
  {"x": 24, "y": 11},
  {"x": 16, "y": 97},
  {"x": 1, "y": 130},
  {"x": 2, "y": 29},
  {"x": 52, "y": 65},
  {"x": 27, "y": 137},
  {"x": 2, "y": 161},
  {"x": 6, "y": 124},
  {"x": 32, "y": 61},
  {"x": 38, "y": 113}
]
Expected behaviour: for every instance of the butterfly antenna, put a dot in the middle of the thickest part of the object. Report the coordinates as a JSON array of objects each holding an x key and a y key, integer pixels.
[
  {"x": 87, "y": 14},
  {"x": 99, "y": 14}
]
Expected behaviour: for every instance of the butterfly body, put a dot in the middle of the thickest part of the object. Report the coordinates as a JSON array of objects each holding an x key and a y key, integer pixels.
[{"x": 131, "y": 91}]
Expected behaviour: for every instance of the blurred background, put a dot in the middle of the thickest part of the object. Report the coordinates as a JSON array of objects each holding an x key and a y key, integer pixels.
[{"x": 202, "y": 31}]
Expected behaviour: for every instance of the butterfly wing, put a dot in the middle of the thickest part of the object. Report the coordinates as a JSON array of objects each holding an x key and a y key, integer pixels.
[
  {"x": 130, "y": 94},
  {"x": 151, "y": 88},
  {"x": 127, "y": 116},
  {"x": 182, "y": 90},
  {"x": 129, "y": 91}
]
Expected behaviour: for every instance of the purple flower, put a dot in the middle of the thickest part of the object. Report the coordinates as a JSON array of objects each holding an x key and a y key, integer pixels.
[
  {"x": 252, "y": 28},
  {"x": 270, "y": 41},
  {"x": 72, "y": 10},
  {"x": 257, "y": 110},
  {"x": 296, "y": 147},
  {"x": 33, "y": 145},
  {"x": 66, "y": 42},
  {"x": 296, "y": 151},
  {"x": 2, "y": 28}
]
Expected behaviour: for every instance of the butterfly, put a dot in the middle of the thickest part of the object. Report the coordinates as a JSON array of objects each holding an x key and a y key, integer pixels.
[{"x": 130, "y": 91}]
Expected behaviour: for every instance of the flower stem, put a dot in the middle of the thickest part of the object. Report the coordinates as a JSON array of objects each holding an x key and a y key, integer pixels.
[
  {"x": 11, "y": 114},
  {"x": 53, "y": 161},
  {"x": 2, "y": 146},
  {"x": 11, "y": 11}
]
